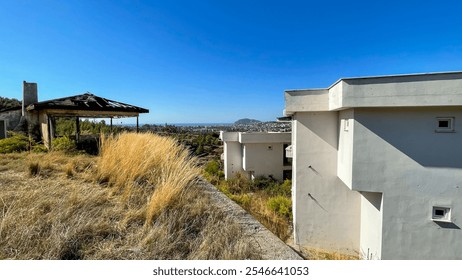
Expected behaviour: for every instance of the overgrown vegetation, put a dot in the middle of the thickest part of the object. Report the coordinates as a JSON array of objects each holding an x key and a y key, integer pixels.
[
  {"x": 67, "y": 127},
  {"x": 17, "y": 142},
  {"x": 6, "y": 103},
  {"x": 138, "y": 200},
  {"x": 267, "y": 200}
]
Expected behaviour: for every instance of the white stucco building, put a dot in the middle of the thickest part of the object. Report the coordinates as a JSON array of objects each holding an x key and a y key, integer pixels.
[
  {"x": 256, "y": 154},
  {"x": 377, "y": 166}
]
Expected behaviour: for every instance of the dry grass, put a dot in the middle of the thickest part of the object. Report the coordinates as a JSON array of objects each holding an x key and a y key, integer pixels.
[
  {"x": 255, "y": 201},
  {"x": 318, "y": 254},
  {"x": 149, "y": 206}
]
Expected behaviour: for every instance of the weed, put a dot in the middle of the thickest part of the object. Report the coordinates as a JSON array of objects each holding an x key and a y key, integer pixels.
[
  {"x": 34, "y": 168},
  {"x": 282, "y": 205}
]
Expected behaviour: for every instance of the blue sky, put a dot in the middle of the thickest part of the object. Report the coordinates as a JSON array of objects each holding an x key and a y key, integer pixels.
[{"x": 218, "y": 61}]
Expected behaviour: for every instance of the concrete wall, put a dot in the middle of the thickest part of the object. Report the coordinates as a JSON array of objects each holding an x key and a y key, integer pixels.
[
  {"x": 13, "y": 117},
  {"x": 443, "y": 89},
  {"x": 398, "y": 153},
  {"x": 3, "y": 125},
  {"x": 306, "y": 100},
  {"x": 326, "y": 211},
  {"x": 254, "y": 154},
  {"x": 264, "y": 159},
  {"x": 232, "y": 154},
  {"x": 371, "y": 226},
  {"x": 29, "y": 96},
  {"x": 345, "y": 146}
]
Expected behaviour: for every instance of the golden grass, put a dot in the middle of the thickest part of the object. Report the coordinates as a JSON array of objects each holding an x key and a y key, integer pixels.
[
  {"x": 318, "y": 254},
  {"x": 150, "y": 206},
  {"x": 129, "y": 160}
]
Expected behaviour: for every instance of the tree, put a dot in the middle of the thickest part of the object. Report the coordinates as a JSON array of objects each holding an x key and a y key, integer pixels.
[{"x": 6, "y": 103}]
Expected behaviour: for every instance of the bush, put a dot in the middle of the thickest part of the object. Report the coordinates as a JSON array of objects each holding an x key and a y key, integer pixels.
[
  {"x": 281, "y": 205},
  {"x": 212, "y": 167},
  {"x": 284, "y": 189},
  {"x": 64, "y": 144},
  {"x": 15, "y": 143}
]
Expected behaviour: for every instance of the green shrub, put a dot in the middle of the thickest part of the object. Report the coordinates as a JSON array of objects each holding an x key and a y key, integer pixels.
[
  {"x": 64, "y": 144},
  {"x": 239, "y": 184},
  {"x": 212, "y": 167},
  {"x": 39, "y": 148},
  {"x": 282, "y": 205},
  {"x": 244, "y": 200},
  {"x": 14, "y": 143},
  {"x": 284, "y": 189}
]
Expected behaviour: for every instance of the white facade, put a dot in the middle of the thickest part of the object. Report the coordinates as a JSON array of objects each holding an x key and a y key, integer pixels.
[
  {"x": 256, "y": 154},
  {"x": 377, "y": 166}
]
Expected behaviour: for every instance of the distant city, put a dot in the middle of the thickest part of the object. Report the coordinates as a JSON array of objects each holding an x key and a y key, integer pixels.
[{"x": 241, "y": 126}]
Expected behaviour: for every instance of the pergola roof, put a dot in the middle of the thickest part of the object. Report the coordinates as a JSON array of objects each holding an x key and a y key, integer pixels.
[{"x": 86, "y": 103}]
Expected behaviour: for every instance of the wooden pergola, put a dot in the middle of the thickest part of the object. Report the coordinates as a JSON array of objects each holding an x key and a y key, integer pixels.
[{"x": 79, "y": 106}]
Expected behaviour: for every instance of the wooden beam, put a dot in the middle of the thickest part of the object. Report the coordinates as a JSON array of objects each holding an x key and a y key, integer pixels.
[
  {"x": 90, "y": 114},
  {"x": 77, "y": 129},
  {"x": 137, "y": 125}
]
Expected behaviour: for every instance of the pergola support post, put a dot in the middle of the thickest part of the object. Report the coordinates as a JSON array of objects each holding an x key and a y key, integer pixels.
[
  {"x": 77, "y": 129},
  {"x": 137, "y": 124}
]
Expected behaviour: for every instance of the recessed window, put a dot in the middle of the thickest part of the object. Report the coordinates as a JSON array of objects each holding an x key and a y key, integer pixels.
[
  {"x": 441, "y": 214},
  {"x": 445, "y": 124},
  {"x": 346, "y": 125}
]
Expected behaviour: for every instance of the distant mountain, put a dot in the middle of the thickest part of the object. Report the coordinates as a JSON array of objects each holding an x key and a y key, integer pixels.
[{"x": 246, "y": 121}]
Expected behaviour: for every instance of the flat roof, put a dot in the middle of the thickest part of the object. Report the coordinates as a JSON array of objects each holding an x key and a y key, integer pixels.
[{"x": 378, "y": 77}]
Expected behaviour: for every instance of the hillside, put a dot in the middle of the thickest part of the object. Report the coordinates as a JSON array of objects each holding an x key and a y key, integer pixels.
[{"x": 246, "y": 121}]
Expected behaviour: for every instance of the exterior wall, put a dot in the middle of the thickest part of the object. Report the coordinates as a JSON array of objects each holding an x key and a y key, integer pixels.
[
  {"x": 306, "y": 100},
  {"x": 254, "y": 154},
  {"x": 444, "y": 89},
  {"x": 232, "y": 151},
  {"x": 232, "y": 159},
  {"x": 345, "y": 146},
  {"x": 398, "y": 153},
  {"x": 371, "y": 226},
  {"x": 45, "y": 130},
  {"x": 326, "y": 212},
  {"x": 3, "y": 125},
  {"x": 13, "y": 117},
  {"x": 264, "y": 159}
]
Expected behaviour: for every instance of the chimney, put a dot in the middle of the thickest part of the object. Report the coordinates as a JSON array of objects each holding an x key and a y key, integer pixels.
[{"x": 29, "y": 95}]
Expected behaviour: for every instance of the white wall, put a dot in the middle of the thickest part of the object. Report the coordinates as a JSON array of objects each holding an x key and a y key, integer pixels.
[
  {"x": 345, "y": 146},
  {"x": 398, "y": 152},
  {"x": 232, "y": 159},
  {"x": 371, "y": 226},
  {"x": 326, "y": 212},
  {"x": 264, "y": 159},
  {"x": 443, "y": 89}
]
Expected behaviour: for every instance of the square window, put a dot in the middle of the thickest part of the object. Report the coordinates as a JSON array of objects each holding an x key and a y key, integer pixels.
[
  {"x": 445, "y": 124},
  {"x": 441, "y": 214}
]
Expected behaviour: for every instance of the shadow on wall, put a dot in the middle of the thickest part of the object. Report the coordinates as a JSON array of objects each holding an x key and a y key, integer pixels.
[{"x": 413, "y": 132}]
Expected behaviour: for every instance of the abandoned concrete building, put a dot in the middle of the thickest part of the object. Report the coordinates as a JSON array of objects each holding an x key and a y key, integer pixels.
[
  {"x": 255, "y": 154},
  {"x": 38, "y": 118},
  {"x": 377, "y": 166}
]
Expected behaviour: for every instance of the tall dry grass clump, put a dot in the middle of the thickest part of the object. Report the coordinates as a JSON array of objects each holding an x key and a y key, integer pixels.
[
  {"x": 148, "y": 160},
  {"x": 150, "y": 206}
]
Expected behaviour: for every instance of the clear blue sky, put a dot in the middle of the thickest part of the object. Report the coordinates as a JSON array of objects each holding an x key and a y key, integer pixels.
[{"x": 218, "y": 61}]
